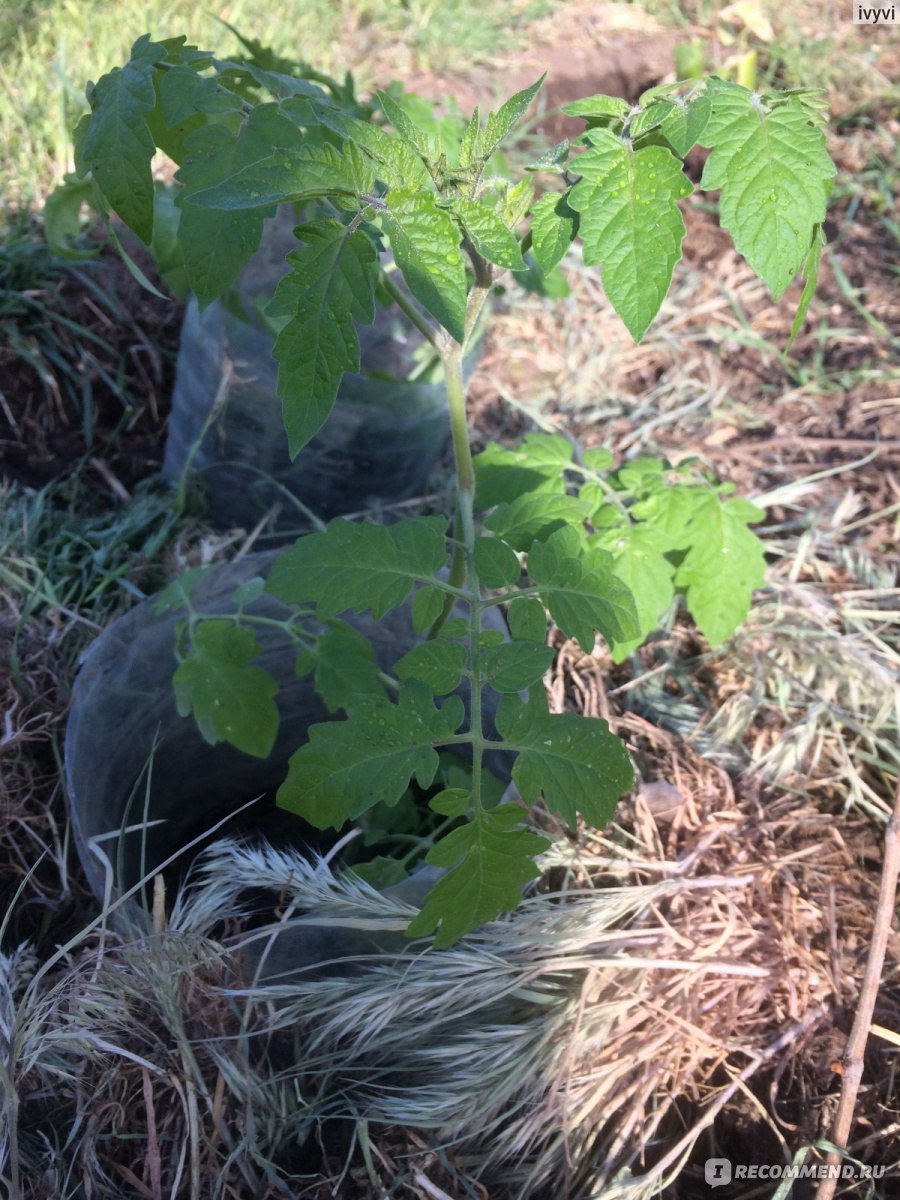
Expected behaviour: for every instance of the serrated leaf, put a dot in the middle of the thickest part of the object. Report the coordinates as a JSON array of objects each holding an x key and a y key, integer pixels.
[
  {"x": 184, "y": 95},
  {"x": 630, "y": 223},
  {"x": 456, "y": 627},
  {"x": 345, "y": 667},
  {"x": 346, "y": 767},
  {"x": 496, "y": 563},
  {"x": 118, "y": 144},
  {"x": 330, "y": 286},
  {"x": 553, "y": 228},
  {"x": 517, "y": 202},
  {"x": 231, "y": 700},
  {"x": 648, "y": 118},
  {"x": 396, "y": 164},
  {"x": 774, "y": 174},
  {"x": 403, "y": 124},
  {"x": 527, "y": 619},
  {"x": 451, "y": 802},
  {"x": 684, "y": 124},
  {"x": 553, "y": 161},
  {"x": 488, "y": 234},
  {"x": 177, "y": 594},
  {"x": 724, "y": 563},
  {"x": 578, "y": 586},
  {"x": 437, "y": 664},
  {"x": 304, "y": 664},
  {"x": 425, "y": 243},
  {"x": 639, "y": 562},
  {"x": 574, "y": 762},
  {"x": 505, "y": 119},
  {"x": 380, "y": 872},
  {"x": 491, "y": 863},
  {"x": 62, "y": 218},
  {"x": 427, "y": 606},
  {"x": 535, "y": 516},
  {"x": 517, "y": 665},
  {"x": 468, "y": 146},
  {"x": 597, "y": 106},
  {"x": 811, "y": 278},
  {"x": 249, "y": 591},
  {"x": 272, "y": 162},
  {"x": 214, "y": 245},
  {"x": 491, "y": 637},
  {"x": 538, "y": 465},
  {"x": 598, "y": 458},
  {"x": 360, "y": 567}
]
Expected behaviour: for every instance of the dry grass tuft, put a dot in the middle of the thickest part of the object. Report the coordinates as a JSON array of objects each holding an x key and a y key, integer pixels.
[{"x": 578, "y": 1047}]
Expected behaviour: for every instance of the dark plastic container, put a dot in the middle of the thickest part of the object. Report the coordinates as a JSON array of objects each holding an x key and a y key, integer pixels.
[{"x": 380, "y": 445}]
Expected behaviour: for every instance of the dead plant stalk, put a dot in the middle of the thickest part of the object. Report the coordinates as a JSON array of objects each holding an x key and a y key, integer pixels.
[{"x": 859, "y": 1034}]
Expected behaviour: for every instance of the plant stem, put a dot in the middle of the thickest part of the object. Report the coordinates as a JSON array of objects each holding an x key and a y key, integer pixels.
[
  {"x": 465, "y": 533},
  {"x": 404, "y": 303},
  {"x": 854, "y": 1055}
]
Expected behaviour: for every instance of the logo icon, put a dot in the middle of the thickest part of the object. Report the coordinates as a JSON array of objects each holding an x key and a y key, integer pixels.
[{"x": 717, "y": 1171}]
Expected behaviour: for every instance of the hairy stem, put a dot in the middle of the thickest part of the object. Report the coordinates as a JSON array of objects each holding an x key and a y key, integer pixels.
[{"x": 407, "y": 307}]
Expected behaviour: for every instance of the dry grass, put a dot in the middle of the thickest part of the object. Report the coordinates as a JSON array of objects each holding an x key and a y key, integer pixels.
[{"x": 591, "y": 1036}]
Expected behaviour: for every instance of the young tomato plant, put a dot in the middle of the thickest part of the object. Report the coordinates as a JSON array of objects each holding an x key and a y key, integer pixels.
[{"x": 538, "y": 530}]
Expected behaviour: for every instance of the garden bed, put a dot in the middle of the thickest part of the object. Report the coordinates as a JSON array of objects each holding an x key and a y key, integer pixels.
[{"x": 768, "y": 769}]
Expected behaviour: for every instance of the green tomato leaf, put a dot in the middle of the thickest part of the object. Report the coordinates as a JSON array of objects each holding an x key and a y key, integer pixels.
[
  {"x": 438, "y": 664},
  {"x": 517, "y": 665},
  {"x": 552, "y": 161},
  {"x": 574, "y": 762},
  {"x": 538, "y": 465},
  {"x": 505, "y": 119},
  {"x": 425, "y": 242},
  {"x": 331, "y": 286},
  {"x": 597, "y": 106},
  {"x": 118, "y": 144},
  {"x": 346, "y": 767},
  {"x": 516, "y": 202},
  {"x": 639, "y": 561},
  {"x": 396, "y": 164},
  {"x": 598, "y": 458},
  {"x": 451, "y": 802},
  {"x": 214, "y": 245},
  {"x": 811, "y": 275},
  {"x": 177, "y": 594},
  {"x": 380, "y": 872},
  {"x": 487, "y": 233},
  {"x": 630, "y": 223},
  {"x": 357, "y": 567},
  {"x": 527, "y": 619},
  {"x": 231, "y": 700},
  {"x": 579, "y": 587},
  {"x": 427, "y": 606},
  {"x": 249, "y": 591},
  {"x": 724, "y": 563},
  {"x": 345, "y": 667},
  {"x": 535, "y": 515},
  {"x": 496, "y": 563},
  {"x": 684, "y": 123},
  {"x": 491, "y": 861},
  {"x": 272, "y": 162},
  {"x": 553, "y": 229},
  {"x": 62, "y": 217},
  {"x": 404, "y": 125},
  {"x": 775, "y": 175}
]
